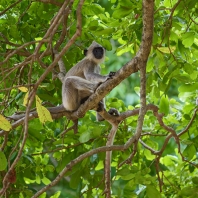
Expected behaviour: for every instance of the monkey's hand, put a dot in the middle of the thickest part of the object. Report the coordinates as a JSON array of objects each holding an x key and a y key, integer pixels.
[
  {"x": 114, "y": 112},
  {"x": 111, "y": 74}
]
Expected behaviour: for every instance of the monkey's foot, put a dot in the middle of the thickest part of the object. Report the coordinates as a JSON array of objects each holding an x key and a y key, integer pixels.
[
  {"x": 114, "y": 112},
  {"x": 111, "y": 74}
]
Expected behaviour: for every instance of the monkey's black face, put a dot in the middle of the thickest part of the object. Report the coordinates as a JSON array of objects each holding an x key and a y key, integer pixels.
[{"x": 98, "y": 52}]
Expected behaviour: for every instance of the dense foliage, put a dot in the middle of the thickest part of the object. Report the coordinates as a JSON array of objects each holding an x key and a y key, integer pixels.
[{"x": 162, "y": 166}]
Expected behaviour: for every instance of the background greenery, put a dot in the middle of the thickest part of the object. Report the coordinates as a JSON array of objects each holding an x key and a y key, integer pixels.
[{"x": 172, "y": 84}]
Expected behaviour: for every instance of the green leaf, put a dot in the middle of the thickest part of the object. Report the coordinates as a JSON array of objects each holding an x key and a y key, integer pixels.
[
  {"x": 50, "y": 168},
  {"x": 150, "y": 65},
  {"x": 167, "y": 3},
  {"x": 45, "y": 180},
  {"x": 149, "y": 155},
  {"x": 93, "y": 25},
  {"x": 100, "y": 166},
  {"x": 173, "y": 36},
  {"x": 188, "y": 87},
  {"x": 48, "y": 86},
  {"x": 128, "y": 177},
  {"x": 195, "y": 180},
  {"x": 43, "y": 195},
  {"x": 188, "y": 191},
  {"x": 189, "y": 152},
  {"x": 121, "y": 12},
  {"x": 5, "y": 124},
  {"x": 167, "y": 50},
  {"x": 194, "y": 75},
  {"x": 126, "y": 3},
  {"x": 129, "y": 190},
  {"x": 3, "y": 161},
  {"x": 38, "y": 179},
  {"x": 75, "y": 180},
  {"x": 164, "y": 105},
  {"x": 152, "y": 192},
  {"x": 188, "y": 68},
  {"x": 104, "y": 31},
  {"x": 92, "y": 9},
  {"x": 84, "y": 137},
  {"x": 168, "y": 160},
  {"x": 155, "y": 92},
  {"x": 107, "y": 45},
  {"x": 56, "y": 195},
  {"x": 188, "y": 39},
  {"x": 124, "y": 171}
]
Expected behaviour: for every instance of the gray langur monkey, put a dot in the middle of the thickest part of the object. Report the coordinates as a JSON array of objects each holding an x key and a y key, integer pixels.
[{"x": 84, "y": 78}]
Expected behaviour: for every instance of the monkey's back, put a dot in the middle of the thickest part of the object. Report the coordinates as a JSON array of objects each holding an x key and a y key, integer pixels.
[{"x": 82, "y": 66}]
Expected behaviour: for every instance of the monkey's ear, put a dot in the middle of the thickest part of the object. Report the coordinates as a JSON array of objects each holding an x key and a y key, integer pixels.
[{"x": 85, "y": 52}]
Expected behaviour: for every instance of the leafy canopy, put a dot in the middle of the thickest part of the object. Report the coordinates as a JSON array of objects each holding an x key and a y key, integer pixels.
[{"x": 172, "y": 85}]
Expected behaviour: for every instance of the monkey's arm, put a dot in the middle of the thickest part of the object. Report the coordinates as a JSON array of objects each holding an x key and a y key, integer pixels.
[{"x": 94, "y": 77}]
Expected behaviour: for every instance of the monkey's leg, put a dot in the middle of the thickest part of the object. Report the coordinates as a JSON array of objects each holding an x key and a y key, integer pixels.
[
  {"x": 74, "y": 90},
  {"x": 83, "y": 84},
  {"x": 69, "y": 95},
  {"x": 101, "y": 107}
]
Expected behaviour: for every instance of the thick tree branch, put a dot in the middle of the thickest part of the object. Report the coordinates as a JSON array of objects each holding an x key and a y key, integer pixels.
[
  {"x": 143, "y": 53},
  {"x": 142, "y": 57},
  {"x": 109, "y": 143}
]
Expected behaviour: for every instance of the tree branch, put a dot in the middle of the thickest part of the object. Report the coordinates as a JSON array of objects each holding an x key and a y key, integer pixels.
[
  {"x": 11, "y": 6},
  {"x": 33, "y": 92}
]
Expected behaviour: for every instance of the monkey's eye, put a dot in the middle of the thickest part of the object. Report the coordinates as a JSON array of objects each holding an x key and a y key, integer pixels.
[{"x": 85, "y": 52}]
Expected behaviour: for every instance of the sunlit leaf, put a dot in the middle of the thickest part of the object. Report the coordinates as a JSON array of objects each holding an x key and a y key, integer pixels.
[
  {"x": 45, "y": 180},
  {"x": 121, "y": 12},
  {"x": 43, "y": 195},
  {"x": 188, "y": 39},
  {"x": 150, "y": 65},
  {"x": 84, "y": 137},
  {"x": 43, "y": 113},
  {"x": 151, "y": 192},
  {"x": 188, "y": 87},
  {"x": 56, "y": 195},
  {"x": 5, "y": 124},
  {"x": 164, "y": 105},
  {"x": 93, "y": 9},
  {"x": 25, "y": 100},
  {"x": 167, "y": 50},
  {"x": 23, "y": 89},
  {"x": 100, "y": 166}
]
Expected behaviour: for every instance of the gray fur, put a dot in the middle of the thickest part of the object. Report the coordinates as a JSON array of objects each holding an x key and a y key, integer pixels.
[{"x": 82, "y": 80}]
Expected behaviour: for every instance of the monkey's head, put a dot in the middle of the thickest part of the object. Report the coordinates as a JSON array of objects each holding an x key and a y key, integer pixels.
[{"x": 95, "y": 52}]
